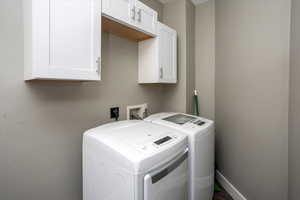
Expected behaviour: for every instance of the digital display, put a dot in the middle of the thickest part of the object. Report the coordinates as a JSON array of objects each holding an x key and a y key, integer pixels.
[
  {"x": 162, "y": 140},
  {"x": 199, "y": 123}
]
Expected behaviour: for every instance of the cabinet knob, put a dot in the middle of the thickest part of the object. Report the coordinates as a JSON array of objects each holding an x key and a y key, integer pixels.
[
  {"x": 133, "y": 12},
  {"x": 99, "y": 64},
  {"x": 140, "y": 15},
  {"x": 161, "y": 73}
]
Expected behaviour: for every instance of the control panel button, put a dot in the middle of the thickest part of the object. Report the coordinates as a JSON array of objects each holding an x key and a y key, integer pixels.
[{"x": 199, "y": 123}]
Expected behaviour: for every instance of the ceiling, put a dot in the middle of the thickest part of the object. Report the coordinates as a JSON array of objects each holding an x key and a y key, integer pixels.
[{"x": 196, "y": 2}]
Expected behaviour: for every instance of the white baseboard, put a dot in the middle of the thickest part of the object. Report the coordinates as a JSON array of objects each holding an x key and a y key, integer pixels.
[{"x": 235, "y": 194}]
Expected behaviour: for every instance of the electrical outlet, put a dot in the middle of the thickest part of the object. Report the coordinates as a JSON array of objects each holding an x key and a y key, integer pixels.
[{"x": 115, "y": 113}]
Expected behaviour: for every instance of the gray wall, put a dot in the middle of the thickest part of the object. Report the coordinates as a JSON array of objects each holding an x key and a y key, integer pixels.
[
  {"x": 205, "y": 57},
  {"x": 190, "y": 66},
  {"x": 294, "y": 136},
  {"x": 174, "y": 15},
  {"x": 41, "y": 123},
  {"x": 179, "y": 15},
  {"x": 252, "y": 78}
]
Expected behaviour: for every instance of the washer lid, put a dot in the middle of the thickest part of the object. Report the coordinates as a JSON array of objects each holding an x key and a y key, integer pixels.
[{"x": 143, "y": 144}]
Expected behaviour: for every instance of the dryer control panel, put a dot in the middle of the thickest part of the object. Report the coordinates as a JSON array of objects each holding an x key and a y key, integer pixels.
[
  {"x": 182, "y": 119},
  {"x": 161, "y": 142}
]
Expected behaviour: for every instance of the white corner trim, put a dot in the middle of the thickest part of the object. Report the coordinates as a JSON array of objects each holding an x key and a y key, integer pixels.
[{"x": 235, "y": 194}]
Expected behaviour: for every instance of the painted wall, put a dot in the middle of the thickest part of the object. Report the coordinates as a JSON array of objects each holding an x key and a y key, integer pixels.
[
  {"x": 174, "y": 15},
  {"x": 41, "y": 123},
  {"x": 294, "y": 136},
  {"x": 252, "y": 81},
  {"x": 205, "y": 57},
  {"x": 190, "y": 66},
  {"x": 179, "y": 15}
]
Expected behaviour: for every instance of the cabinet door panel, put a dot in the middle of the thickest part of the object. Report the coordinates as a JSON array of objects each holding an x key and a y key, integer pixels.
[
  {"x": 168, "y": 54},
  {"x": 70, "y": 42},
  {"x": 146, "y": 18},
  {"x": 122, "y": 10},
  {"x": 71, "y": 32}
]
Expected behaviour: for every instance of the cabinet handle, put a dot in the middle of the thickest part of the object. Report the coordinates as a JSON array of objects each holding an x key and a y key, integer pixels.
[
  {"x": 161, "y": 73},
  {"x": 140, "y": 15},
  {"x": 98, "y": 69},
  {"x": 133, "y": 12}
]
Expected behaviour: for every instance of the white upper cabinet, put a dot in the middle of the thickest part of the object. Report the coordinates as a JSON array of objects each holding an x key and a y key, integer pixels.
[
  {"x": 62, "y": 39},
  {"x": 145, "y": 18},
  {"x": 131, "y": 13},
  {"x": 158, "y": 57},
  {"x": 167, "y": 54},
  {"x": 119, "y": 10}
]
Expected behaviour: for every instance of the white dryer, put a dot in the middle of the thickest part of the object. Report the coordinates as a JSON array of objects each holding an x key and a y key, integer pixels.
[
  {"x": 201, "y": 136},
  {"x": 135, "y": 160}
]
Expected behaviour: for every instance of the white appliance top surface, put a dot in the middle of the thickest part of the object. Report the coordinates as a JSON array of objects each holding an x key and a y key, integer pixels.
[
  {"x": 183, "y": 122},
  {"x": 139, "y": 140}
]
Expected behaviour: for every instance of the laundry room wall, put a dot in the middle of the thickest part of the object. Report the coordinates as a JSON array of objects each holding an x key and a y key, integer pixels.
[
  {"x": 174, "y": 15},
  {"x": 205, "y": 57},
  {"x": 41, "y": 123},
  {"x": 294, "y": 136},
  {"x": 190, "y": 53},
  {"x": 252, "y": 86},
  {"x": 180, "y": 15}
]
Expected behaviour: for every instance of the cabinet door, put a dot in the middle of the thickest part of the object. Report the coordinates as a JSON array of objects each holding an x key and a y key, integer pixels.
[
  {"x": 67, "y": 39},
  {"x": 167, "y": 54},
  {"x": 146, "y": 18},
  {"x": 121, "y": 10}
]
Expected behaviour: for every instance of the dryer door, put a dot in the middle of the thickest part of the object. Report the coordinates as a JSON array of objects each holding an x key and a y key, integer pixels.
[{"x": 169, "y": 182}]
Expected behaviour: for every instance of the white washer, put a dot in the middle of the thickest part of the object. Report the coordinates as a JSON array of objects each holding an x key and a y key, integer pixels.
[
  {"x": 135, "y": 160},
  {"x": 201, "y": 136}
]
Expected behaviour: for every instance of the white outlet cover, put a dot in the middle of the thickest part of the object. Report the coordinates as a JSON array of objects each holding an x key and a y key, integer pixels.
[{"x": 142, "y": 108}]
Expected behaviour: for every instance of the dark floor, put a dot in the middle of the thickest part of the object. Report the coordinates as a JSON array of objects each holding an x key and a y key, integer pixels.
[{"x": 222, "y": 195}]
